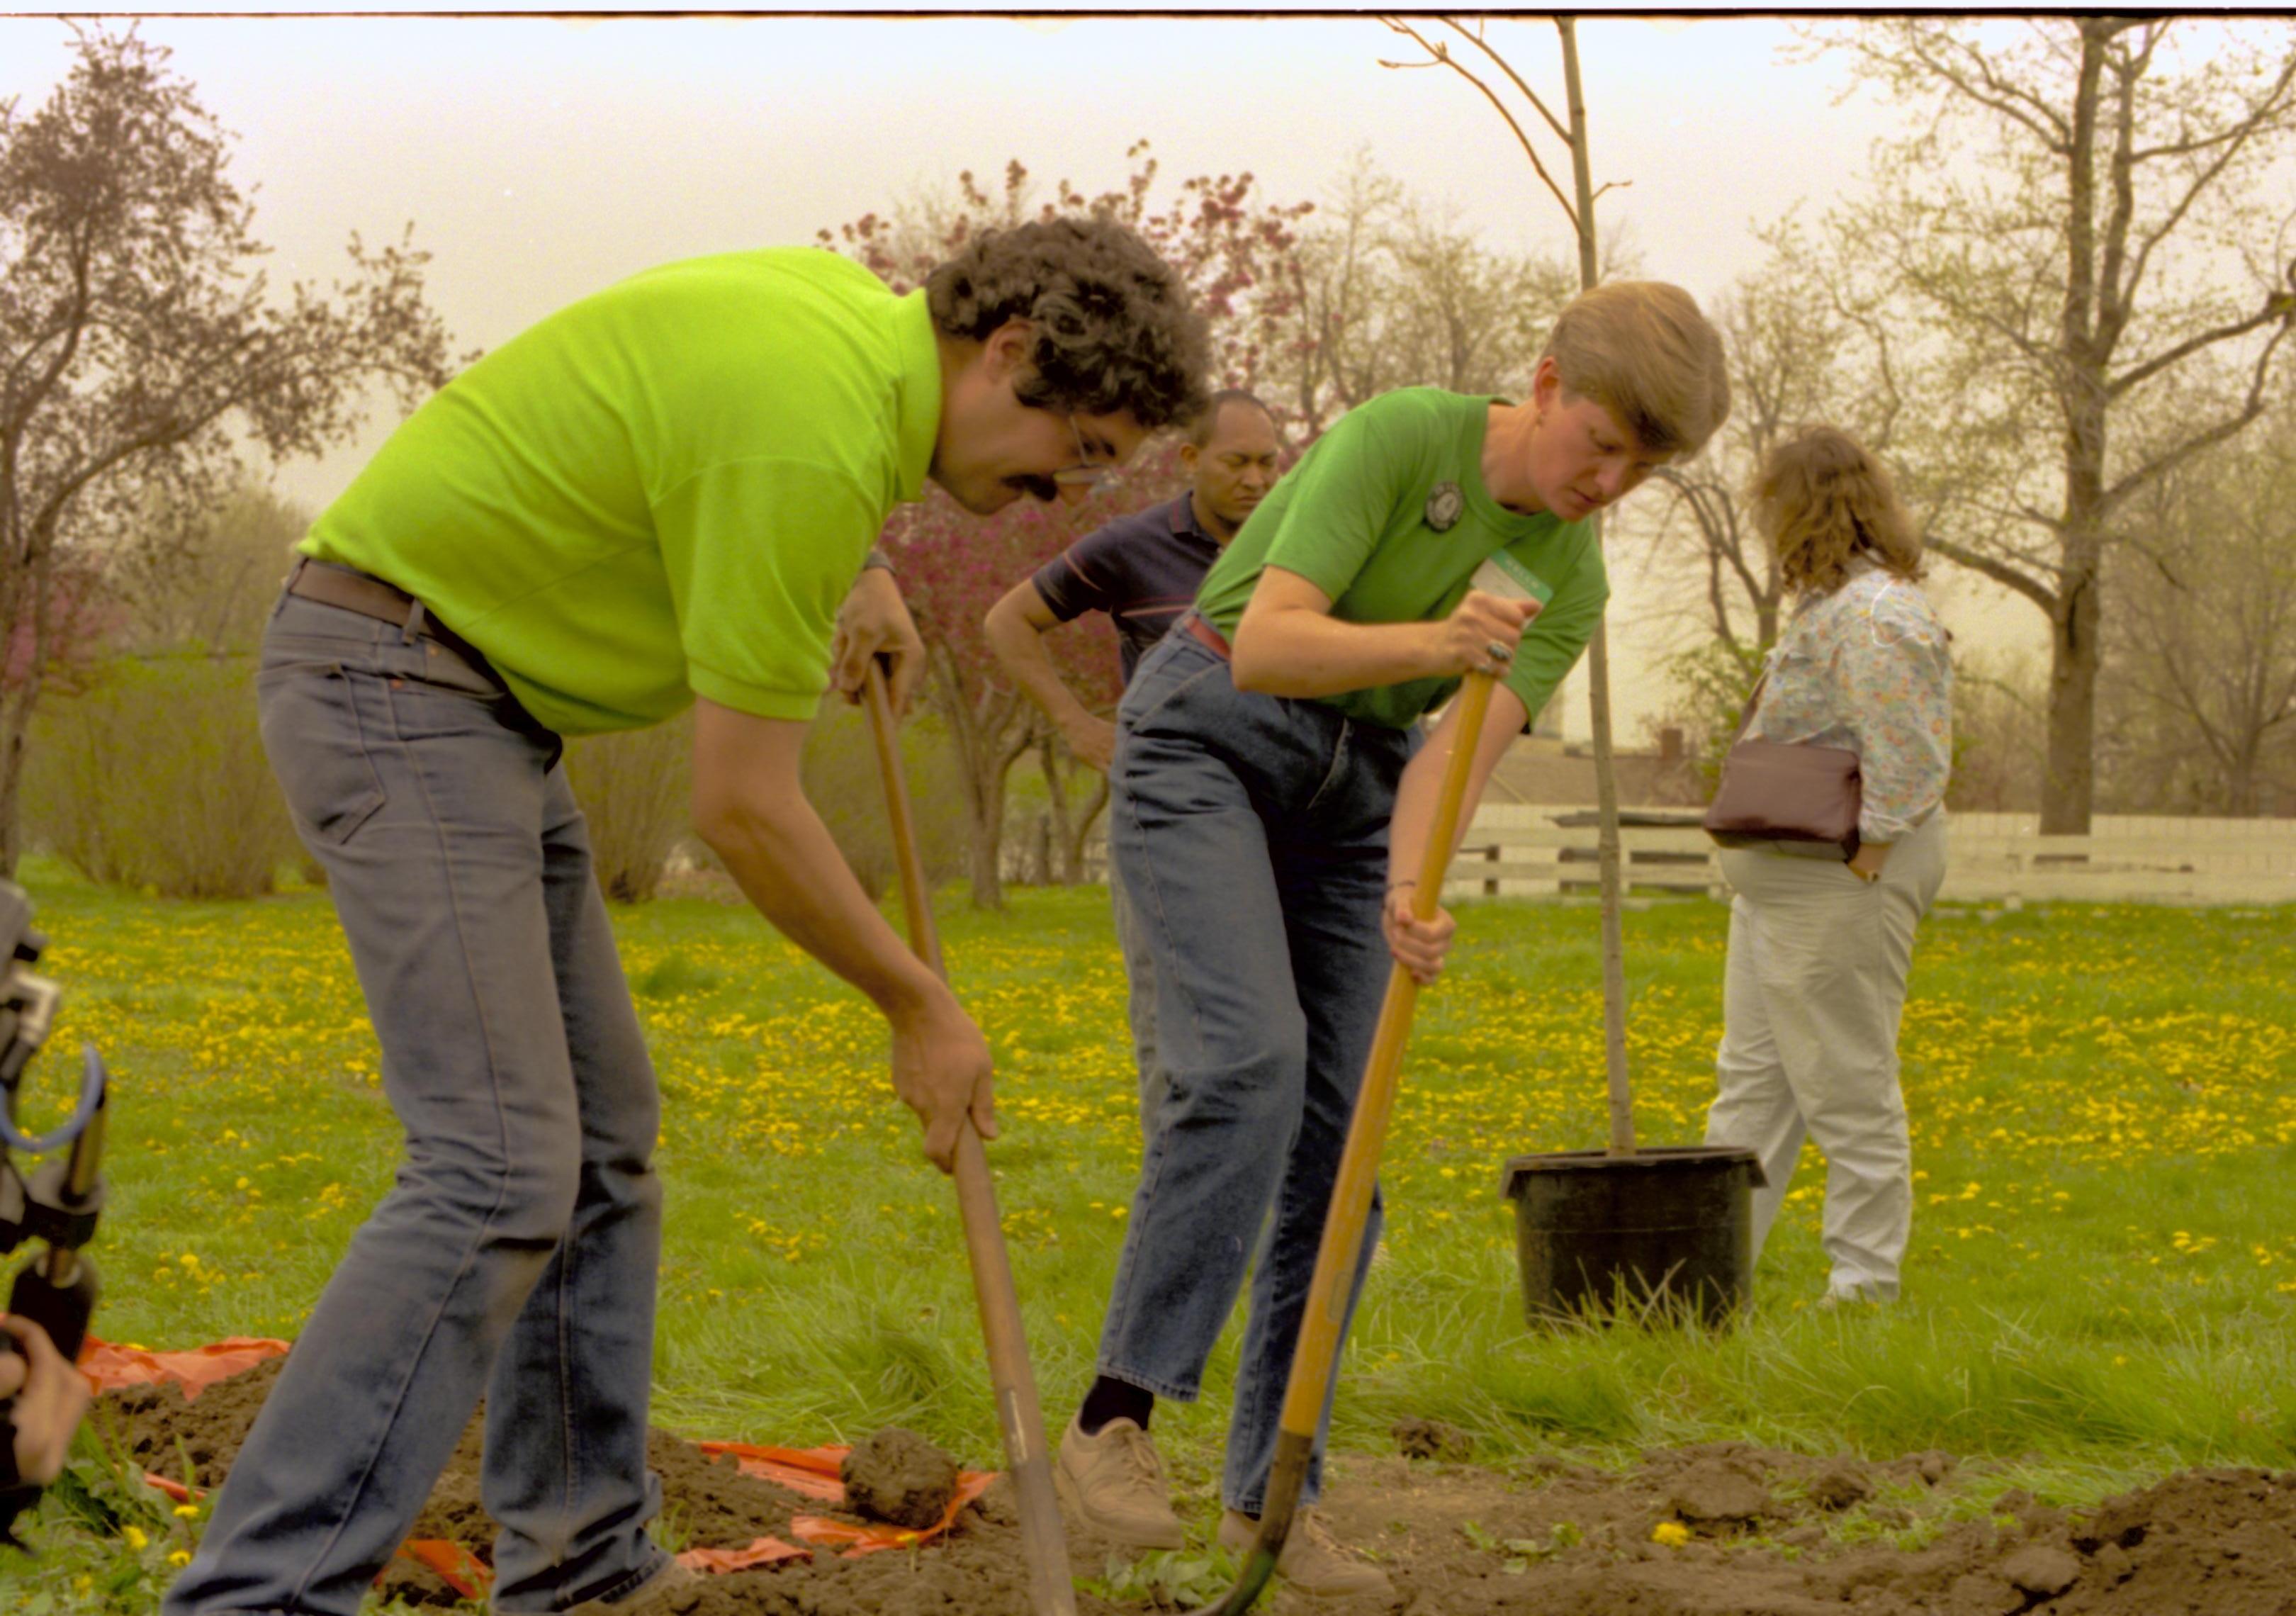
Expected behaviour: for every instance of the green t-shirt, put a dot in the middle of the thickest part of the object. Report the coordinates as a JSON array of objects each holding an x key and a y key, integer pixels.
[
  {"x": 1351, "y": 517},
  {"x": 665, "y": 490}
]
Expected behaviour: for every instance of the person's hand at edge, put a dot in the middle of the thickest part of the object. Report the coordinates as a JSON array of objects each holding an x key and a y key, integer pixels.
[{"x": 51, "y": 1395}]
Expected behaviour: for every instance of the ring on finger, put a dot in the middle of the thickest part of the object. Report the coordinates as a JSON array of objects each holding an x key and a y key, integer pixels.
[{"x": 1498, "y": 651}]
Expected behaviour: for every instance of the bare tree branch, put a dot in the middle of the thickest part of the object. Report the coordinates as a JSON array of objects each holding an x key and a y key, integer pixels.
[
  {"x": 1437, "y": 50},
  {"x": 1999, "y": 571},
  {"x": 1475, "y": 38}
]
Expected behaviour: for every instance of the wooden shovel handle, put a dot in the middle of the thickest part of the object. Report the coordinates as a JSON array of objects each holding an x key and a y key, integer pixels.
[
  {"x": 1316, "y": 1359},
  {"x": 1018, "y": 1416}
]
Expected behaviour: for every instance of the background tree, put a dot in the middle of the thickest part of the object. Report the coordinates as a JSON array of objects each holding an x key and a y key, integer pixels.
[
  {"x": 204, "y": 579},
  {"x": 2022, "y": 238},
  {"x": 2000, "y": 727},
  {"x": 1389, "y": 292},
  {"x": 2200, "y": 692},
  {"x": 1797, "y": 355},
  {"x": 140, "y": 342}
]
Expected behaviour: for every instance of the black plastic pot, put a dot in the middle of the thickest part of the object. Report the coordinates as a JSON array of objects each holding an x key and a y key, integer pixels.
[{"x": 1663, "y": 1233}]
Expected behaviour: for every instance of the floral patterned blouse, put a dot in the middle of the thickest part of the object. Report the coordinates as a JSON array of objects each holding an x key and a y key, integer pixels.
[{"x": 1867, "y": 668}]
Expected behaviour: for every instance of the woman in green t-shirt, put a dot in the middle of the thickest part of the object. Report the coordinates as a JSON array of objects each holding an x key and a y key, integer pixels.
[{"x": 1263, "y": 750}]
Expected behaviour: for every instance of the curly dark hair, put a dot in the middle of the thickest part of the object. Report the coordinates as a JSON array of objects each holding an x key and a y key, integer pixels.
[{"x": 1114, "y": 329}]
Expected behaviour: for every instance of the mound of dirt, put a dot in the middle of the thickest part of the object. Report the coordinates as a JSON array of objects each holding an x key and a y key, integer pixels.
[
  {"x": 1751, "y": 1531},
  {"x": 897, "y": 1475},
  {"x": 1556, "y": 1538}
]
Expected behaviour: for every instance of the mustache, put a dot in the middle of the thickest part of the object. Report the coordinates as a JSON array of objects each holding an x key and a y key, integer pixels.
[{"x": 1042, "y": 489}]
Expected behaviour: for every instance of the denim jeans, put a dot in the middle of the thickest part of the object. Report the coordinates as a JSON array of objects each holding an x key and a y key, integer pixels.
[
  {"x": 1250, "y": 834},
  {"x": 1139, "y": 1003},
  {"x": 515, "y": 1254}
]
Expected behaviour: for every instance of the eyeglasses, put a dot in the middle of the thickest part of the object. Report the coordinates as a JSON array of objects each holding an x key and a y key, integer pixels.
[{"x": 1088, "y": 473}]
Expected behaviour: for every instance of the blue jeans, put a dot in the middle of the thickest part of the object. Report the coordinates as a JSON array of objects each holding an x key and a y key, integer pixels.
[
  {"x": 1139, "y": 1003},
  {"x": 515, "y": 1255},
  {"x": 1250, "y": 834}
]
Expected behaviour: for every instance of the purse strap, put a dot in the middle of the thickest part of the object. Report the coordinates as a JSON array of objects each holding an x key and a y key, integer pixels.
[{"x": 1753, "y": 699}]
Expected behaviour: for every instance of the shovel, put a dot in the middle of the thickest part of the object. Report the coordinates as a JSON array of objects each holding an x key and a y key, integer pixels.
[
  {"x": 1042, "y": 1540},
  {"x": 1317, "y": 1356}
]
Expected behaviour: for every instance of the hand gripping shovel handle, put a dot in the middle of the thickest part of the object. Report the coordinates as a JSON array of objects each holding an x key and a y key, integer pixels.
[
  {"x": 1042, "y": 1539},
  {"x": 1316, "y": 1359}
]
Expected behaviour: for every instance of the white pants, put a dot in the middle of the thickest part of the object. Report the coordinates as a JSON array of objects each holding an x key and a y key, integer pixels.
[{"x": 1811, "y": 998}]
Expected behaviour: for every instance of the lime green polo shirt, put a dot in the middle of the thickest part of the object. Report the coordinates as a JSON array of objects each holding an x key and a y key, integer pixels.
[
  {"x": 1388, "y": 515},
  {"x": 666, "y": 489}
]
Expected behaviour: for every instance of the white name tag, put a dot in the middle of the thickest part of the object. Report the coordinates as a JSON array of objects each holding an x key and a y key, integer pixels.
[{"x": 1509, "y": 579}]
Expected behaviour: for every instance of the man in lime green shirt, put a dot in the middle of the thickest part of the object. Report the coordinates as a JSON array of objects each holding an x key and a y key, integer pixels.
[{"x": 664, "y": 494}]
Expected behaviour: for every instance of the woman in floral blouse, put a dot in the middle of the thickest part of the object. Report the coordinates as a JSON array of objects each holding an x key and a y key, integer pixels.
[{"x": 1819, "y": 949}]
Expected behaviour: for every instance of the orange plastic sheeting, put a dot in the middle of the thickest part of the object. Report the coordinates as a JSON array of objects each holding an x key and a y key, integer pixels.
[
  {"x": 109, "y": 1367},
  {"x": 810, "y": 1472},
  {"x": 868, "y": 1539},
  {"x": 463, "y": 1570},
  {"x": 762, "y": 1551},
  {"x": 460, "y": 1568}
]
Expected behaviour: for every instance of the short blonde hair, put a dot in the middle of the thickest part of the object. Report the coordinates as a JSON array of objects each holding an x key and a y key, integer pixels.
[
  {"x": 1821, "y": 498},
  {"x": 1642, "y": 351}
]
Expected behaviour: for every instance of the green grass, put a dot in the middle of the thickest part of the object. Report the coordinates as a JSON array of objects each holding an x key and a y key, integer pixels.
[{"x": 2104, "y": 1105}]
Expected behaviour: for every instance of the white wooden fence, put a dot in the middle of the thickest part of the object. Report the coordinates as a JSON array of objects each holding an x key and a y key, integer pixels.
[{"x": 1526, "y": 850}]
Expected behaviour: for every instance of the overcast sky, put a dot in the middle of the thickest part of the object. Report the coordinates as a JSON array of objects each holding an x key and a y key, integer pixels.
[{"x": 542, "y": 159}]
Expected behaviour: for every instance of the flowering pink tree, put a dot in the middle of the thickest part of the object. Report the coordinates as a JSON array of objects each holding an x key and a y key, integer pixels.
[
  {"x": 58, "y": 636},
  {"x": 1237, "y": 253}
]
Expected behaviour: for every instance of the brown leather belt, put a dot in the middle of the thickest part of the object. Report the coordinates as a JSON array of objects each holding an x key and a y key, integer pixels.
[
  {"x": 333, "y": 585},
  {"x": 1209, "y": 635}
]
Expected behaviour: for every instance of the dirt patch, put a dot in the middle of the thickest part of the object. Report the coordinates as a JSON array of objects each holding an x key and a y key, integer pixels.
[
  {"x": 1769, "y": 1539},
  {"x": 896, "y": 1476},
  {"x": 1433, "y": 1440},
  {"x": 1747, "y": 1531}
]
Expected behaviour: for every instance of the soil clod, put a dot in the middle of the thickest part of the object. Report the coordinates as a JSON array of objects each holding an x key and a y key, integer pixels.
[
  {"x": 1433, "y": 1439},
  {"x": 1720, "y": 1491},
  {"x": 2041, "y": 1570},
  {"x": 1840, "y": 1486},
  {"x": 898, "y": 1476}
]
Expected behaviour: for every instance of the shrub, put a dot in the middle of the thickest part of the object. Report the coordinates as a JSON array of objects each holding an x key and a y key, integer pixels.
[
  {"x": 152, "y": 776},
  {"x": 635, "y": 788},
  {"x": 842, "y": 781}
]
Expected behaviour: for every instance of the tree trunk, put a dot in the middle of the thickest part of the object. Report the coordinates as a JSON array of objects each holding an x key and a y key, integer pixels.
[
  {"x": 1072, "y": 855},
  {"x": 15, "y": 715},
  {"x": 2069, "y": 785},
  {"x": 1056, "y": 793},
  {"x": 984, "y": 825},
  {"x": 2239, "y": 787},
  {"x": 15, "y": 731}
]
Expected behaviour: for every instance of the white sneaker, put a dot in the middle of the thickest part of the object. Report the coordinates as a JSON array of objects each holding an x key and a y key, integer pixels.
[
  {"x": 1115, "y": 1483},
  {"x": 1310, "y": 1560}
]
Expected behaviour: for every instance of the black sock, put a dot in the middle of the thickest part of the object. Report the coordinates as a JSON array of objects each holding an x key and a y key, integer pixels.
[{"x": 1114, "y": 1400}]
